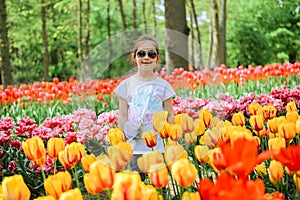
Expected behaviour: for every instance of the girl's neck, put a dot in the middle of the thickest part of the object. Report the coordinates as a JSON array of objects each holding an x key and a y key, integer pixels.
[{"x": 145, "y": 76}]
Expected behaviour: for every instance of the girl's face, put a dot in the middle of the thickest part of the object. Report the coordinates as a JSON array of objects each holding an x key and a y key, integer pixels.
[{"x": 146, "y": 56}]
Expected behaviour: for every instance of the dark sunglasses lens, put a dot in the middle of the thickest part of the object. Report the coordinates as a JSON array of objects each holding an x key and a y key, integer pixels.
[
  {"x": 141, "y": 53},
  {"x": 152, "y": 54}
]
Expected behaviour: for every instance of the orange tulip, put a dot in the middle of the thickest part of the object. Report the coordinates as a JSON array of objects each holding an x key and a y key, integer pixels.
[
  {"x": 71, "y": 155},
  {"x": 202, "y": 153},
  {"x": 291, "y": 107},
  {"x": 276, "y": 172},
  {"x": 73, "y": 194},
  {"x": 35, "y": 150},
  {"x": 289, "y": 157},
  {"x": 158, "y": 175},
  {"x": 175, "y": 133},
  {"x": 199, "y": 127},
  {"x": 238, "y": 119},
  {"x": 190, "y": 195},
  {"x": 101, "y": 177},
  {"x": 287, "y": 131},
  {"x": 257, "y": 122},
  {"x": 150, "y": 158},
  {"x": 174, "y": 152},
  {"x": 127, "y": 185},
  {"x": 276, "y": 144},
  {"x": 255, "y": 109},
  {"x": 115, "y": 135},
  {"x": 149, "y": 138},
  {"x": 206, "y": 116},
  {"x": 185, "y": 121},
  {"x": 56, "y": 184},
  {"x": 86, "y": 161},
  {"x": 54, "y": 146},
  {"x": 184, "y": 172},
  {"x": 14, "y": 188},
  {"x": 269, "y": 112},
  {"x": 292, "y": 116}
]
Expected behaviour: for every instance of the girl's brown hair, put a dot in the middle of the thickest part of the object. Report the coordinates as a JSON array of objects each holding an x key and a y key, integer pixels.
[{"x": 137, "y": 44}]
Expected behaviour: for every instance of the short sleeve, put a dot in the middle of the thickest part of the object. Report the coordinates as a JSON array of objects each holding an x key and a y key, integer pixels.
[{"x": 121, "y": 90}]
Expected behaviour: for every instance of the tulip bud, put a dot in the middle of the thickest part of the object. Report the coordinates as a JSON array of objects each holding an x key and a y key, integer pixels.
[
  {"x": 159, "y": 119},
  {"x": 71, "y": 155},
  {"x": 190, "y": 195},
  {"x": 56, "y": 184},
  {"x": 150, "y": 158},
  {"x": 202, "y": 153},
  {"x": 292, "y": 116},
  {"x": 276, "y": 144},
  {"x": 115, "y": 135},
  {"x": 291, "y": 107},
  {"x": 149, "y": 138},
  {"x": 184, "y": 172},
  {"x": 14, "y": 188},
  {"x": 269, "y": 112},
  {"x": 174, "y": 152},
  {"x": 255, "y": 109},
  {"x": 199, "y": 127},
  {"x": 54, "y": 146},
  {"x": 287, "y": 131},
  {"x": 276, "y": 172},
  {"x": 261, "y": 170},
  {"x": 86, "y": 161},
  {"x": 35, "y": 150},
  {"x": 190, "y": 138},
  {"x": 257, "y": 122},
  {"x": 206, "y": 116},
  {"x": 238, "y": 119},
  {"x": 185, "y": 121},
  {"x": 73, "y": 194},
  {"x": 158, "y": 175},
  {"x": 297, "y": 127},
  {"x": 175, "y": 133}
]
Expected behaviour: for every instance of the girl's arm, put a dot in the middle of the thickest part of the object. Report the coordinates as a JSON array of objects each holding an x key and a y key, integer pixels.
[
  {"x": 168, "y": 106},
  {"x": 123, "y": 113}
]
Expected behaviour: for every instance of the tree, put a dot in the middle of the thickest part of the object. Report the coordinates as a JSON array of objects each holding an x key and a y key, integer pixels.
[
  {"x": 45, "y": 41},
  {"x": 214, "y": 54},
  {"x": 79, "y": 29},
  {"x": 6, "y": 72},
  {"x": 177, "y": 34}
]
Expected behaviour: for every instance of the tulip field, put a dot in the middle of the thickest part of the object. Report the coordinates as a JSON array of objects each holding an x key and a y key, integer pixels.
[{"x": 236, "y": 135}]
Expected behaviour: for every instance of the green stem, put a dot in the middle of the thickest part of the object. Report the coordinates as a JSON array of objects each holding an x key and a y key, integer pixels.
[
  {"x": 76, "y": 177},
  {"x": 43, "y": 173},
  {"x": 54, "y": 166}
]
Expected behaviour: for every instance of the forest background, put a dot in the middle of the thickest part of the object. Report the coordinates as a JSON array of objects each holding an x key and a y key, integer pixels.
[{"x": 43, "y": 39}]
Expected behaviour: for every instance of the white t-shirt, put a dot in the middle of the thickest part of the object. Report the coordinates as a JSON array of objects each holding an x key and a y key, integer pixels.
[{"x": 144, "y": 98}]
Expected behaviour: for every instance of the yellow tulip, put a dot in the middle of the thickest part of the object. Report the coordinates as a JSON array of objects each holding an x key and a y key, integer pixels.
[
  {"x": 276, "y": 172},
  {"x": 255, "y": 109},
  {"x": 190, "y": 196},
  {"x": 261, "y": 170},
  {"x": 296, "y": 178},
  {"x": 257, "y": 122},
  {"x": 199, "y": 127},
  {"x": 56, "y": 184},
  {"x": 238, "y": 119},
  {"x": 175, "y": 133},
  {"x": 211, "y": 137},
  {"x": 45, "y": 198},
  {"x": 35, "y": 150},
  {"x": 202, "y": 153},
  {"x": 115, "y": 135},
  {"x": 261, "y": 133},
  {"x": 292, "y": 116},
  {"x": 206, "y": 116},
  {"x": 291, "y": 107},
  {"x": 87, "y": 160},
  {"x": 122, "y": 150},
  {"x": 276, "y": 144},
  {"x": 174, "y": 152},
  {"x": 158, "y": 175},
  {"x": 159, "y": 119},
  {"x": 287, "y": 131},
  {"x": 73, "y": 194},
  {"x": 297, "y": 127},
  {"x": 71, "y": 155},
  {"x": 184, "y": 172},
  {"x": 150, "y": 158},
  {"x": 14, "y": 188},
  {"x": 149, "y": 138},
  {"x": 269, "y": 112},
  {"x": 185, "y": 121},
  {"x": 54, "y": 146},
  {"x": 164, "y": 131},
  {"x": 150, "y": 193},
  {"x": 190, "y": 138},
  {"x": 127, "y": 185}
]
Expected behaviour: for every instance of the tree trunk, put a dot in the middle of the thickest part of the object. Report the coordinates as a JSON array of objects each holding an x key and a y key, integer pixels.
[
  {"x": 79, "y": 34},
  {"x": 223, "y": 49},
  {"x": 214, "y": 55},
  {"x": 45, "y": 41},
  {"x": 124, "y": 26},
  {"x": 193, "y": 37},
  {"x": 144, "y": 16},
  {"x": 154, "y": 17},
  {"x": 108, "y": 33},
  {"x": 194, "y": 16},
  {"x": 88, "y": 29},
  {"x": 177, "y": 34},
  {"x": 134, "y": 14},
  {"x": 55, "y": 53},
  {"x": 6, "y": 72}
]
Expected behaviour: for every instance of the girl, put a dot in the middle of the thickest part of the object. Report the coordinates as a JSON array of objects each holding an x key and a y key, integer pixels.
[{"x": 141, "y": 96}]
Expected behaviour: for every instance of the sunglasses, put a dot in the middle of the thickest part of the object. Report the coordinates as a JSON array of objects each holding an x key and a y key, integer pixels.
[{"x": 151, "y": 54}]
